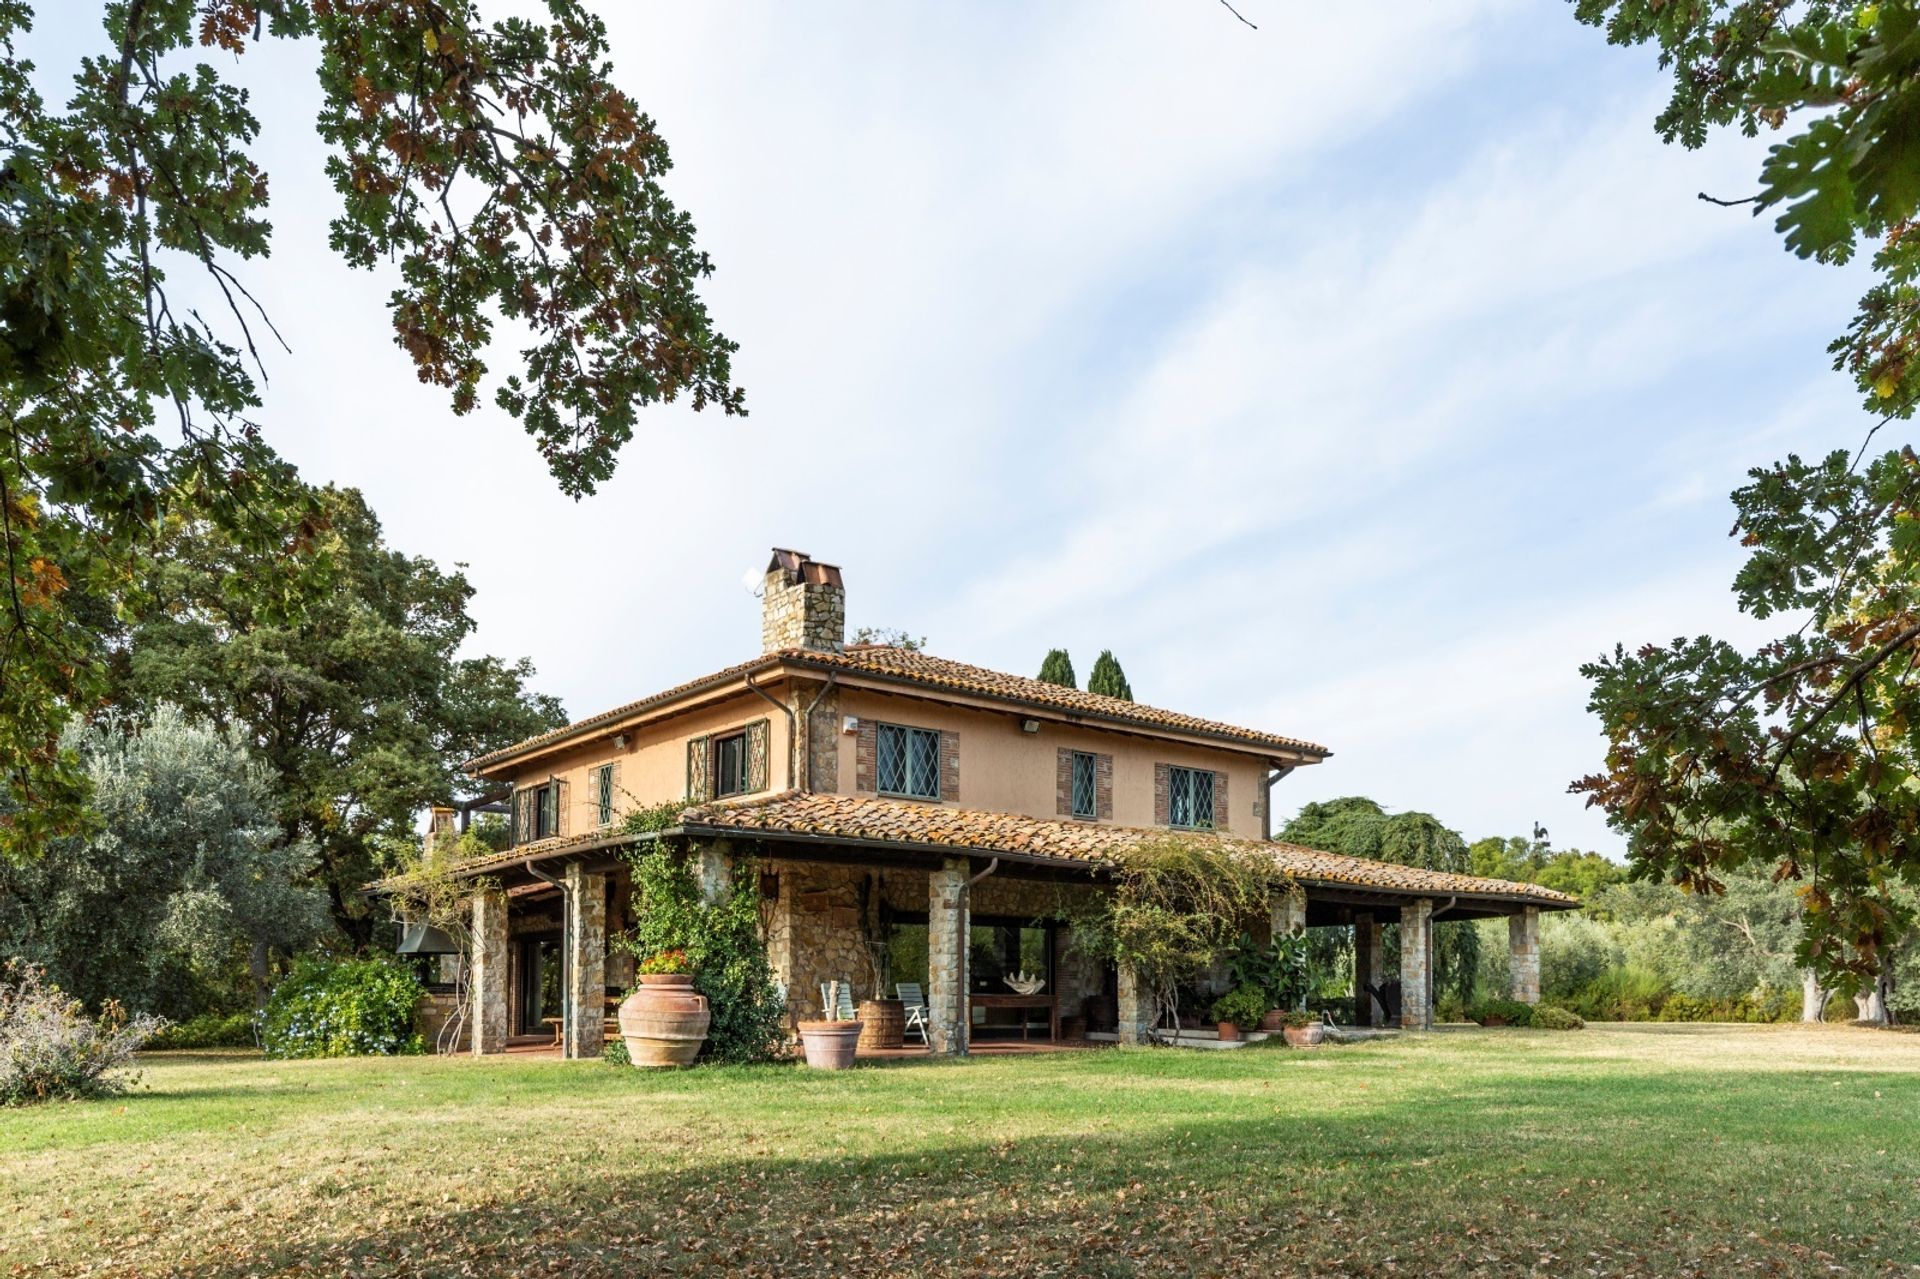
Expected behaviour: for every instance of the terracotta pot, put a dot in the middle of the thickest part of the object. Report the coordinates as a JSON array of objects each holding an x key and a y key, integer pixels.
[
  {"x": 830, "y": 1045},
  {"x": 665, "y": 1021},
  {"x": 1073, "y": 1026},
  {"x": 1229, "y": 1033},
  {"x": 883, "y": 1022},
  {"x": 1276, "y": 1019},
  {"x": 1306, "y": 1036}
]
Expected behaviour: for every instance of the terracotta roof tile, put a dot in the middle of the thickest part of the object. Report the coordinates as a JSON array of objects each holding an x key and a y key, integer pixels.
[
  {"x": 924, "y": 669},
  {"x": 865, "y": 818}
]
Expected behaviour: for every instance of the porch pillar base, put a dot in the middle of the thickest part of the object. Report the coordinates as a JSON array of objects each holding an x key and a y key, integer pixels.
[
  {"x": 582, "y": 1034},
  {"x": 949, "y": 930},
  {"x": 1523, "y": 954},
  {"x": 1416, "y": 965},
  {"x": 487, "y": 979},
  {"x": 1366, "y": 971}
]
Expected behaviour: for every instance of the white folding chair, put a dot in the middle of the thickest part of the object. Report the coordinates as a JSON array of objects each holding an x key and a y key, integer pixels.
[{"x": 916, "y": 1002}]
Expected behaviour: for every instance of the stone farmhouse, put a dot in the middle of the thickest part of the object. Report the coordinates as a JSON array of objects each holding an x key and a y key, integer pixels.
[{"x": 932, "y": 809}]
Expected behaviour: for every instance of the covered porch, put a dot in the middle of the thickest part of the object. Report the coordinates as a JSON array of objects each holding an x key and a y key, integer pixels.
[{"x": 957, "y": 907}]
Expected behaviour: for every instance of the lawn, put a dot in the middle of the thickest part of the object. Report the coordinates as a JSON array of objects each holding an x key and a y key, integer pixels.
[{"x": 1616, "y": 1150}]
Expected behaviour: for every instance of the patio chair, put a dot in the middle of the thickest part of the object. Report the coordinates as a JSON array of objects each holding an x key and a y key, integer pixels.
[
  {"x": 916, "y": 1002},
  {"x": 844, "y": 1011}
]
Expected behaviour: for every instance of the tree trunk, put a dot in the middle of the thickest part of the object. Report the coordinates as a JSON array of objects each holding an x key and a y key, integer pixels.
[
  {"x": 1813, "y": 997},
  {"x": 1872, "y": 1002},
  {"x": 257, "y": 961}
]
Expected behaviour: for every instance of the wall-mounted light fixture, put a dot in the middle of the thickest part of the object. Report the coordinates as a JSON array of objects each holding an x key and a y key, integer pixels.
[
  {"x": 1029, "y": 725},
  {"x": 619, "y": 741}
]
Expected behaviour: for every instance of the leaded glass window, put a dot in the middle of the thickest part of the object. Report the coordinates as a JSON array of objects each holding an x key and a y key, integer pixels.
[
  {"x": 1085, "y": 795},
  {"x": 1190, "y": 798},
  {"x": 907, "y": 761},
  {"x": 603, "y": 795}
]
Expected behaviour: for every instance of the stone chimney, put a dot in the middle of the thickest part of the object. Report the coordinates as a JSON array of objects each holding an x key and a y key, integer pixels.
[{"x": 804, "y": 605}]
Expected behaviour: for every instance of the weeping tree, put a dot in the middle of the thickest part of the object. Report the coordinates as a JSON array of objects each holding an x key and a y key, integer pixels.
[
  {"x": 1359, "y": 827},
  {"x": 1058, "y": 669},
  {"x": 1178, "y": 906}
]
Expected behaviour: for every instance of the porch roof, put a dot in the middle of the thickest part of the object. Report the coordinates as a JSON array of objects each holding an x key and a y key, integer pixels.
[{"x": 874, "y": 820}]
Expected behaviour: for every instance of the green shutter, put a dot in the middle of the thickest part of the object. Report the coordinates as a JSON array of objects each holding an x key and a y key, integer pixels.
[{"x": 757, "y": 755}]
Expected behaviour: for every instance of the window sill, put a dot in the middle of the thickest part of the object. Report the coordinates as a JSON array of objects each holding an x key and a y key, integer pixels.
[{"x": 918, "y": 799}]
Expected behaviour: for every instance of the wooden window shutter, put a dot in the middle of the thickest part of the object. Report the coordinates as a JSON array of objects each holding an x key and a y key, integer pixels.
[
  {"x": 559, "y": 806},
  {"x": 757, "y": 755},
  {"x": 523, "y": 802},
  {"x": 700, "y": 769},
  {"x": 613, "y": 805}
]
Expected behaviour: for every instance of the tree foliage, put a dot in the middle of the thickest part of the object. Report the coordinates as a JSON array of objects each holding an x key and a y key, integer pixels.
[
  {"x": 1796, "y": 758},
  {"x": 1058, "y": 669},
  {"x": 351, "y": 690},
  {"x": 1108, "y": 679},
  {"x": 163, "y": 905},
  {"x": 495, "y": 166}
]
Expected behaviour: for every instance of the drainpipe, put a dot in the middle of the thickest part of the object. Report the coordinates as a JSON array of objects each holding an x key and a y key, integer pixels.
[
  {"x": 566, "y": 949},
  {"x": 1266, "y": 798},
  {"x": 991, "y": 867},
  {"x": 793, "y": 727},
  {"x": 833, "y": 678}
]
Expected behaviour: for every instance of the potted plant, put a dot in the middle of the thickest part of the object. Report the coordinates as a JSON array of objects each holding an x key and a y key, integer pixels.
[
  {"x": 1303, "y": 1029},
  {"x": 1238, "y": 1008},
  {"x": 665, "y": 1020},
  {"x": 830, "y": 1042}
]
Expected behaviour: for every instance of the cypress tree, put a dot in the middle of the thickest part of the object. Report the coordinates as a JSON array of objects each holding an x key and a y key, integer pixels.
[
  {"x": 1058, "y": 669},
  {"x": 1108, "y": 678}
]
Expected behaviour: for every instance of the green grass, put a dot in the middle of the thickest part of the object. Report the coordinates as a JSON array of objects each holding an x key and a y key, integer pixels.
[{"x": 1709, "y": 1150}]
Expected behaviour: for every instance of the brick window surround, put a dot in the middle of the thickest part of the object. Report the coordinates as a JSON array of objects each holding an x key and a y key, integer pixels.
[{"x": 1102, "y": 785}]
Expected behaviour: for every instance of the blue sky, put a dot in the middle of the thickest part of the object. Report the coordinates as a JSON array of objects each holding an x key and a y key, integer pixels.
[{"x": 1355, "y": 378}]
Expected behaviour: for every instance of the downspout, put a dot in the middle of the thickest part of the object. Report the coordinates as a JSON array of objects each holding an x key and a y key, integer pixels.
[
  {"x": 832, "y": 679},
  {"x": 1266, "y": 798},
  {"x": 793, "y": 727},
  {"x": 566, "y": 949},
  {"x": 991, "y": 867}
]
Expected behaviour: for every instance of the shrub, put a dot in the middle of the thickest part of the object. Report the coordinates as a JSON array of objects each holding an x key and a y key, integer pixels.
[
  {"x": 49, "y": 1047},
  {"x": 208, "y": 1030},
  {"x": 1621, "y": 994},
  {"x": 1298, "y": 1018},
  {"x": 1548, "y": 1017},
  {"x": 1510, "y": 1011},
  {"x": 1243, "y": 1006},
  {"x": 343, "y": 1008},
  {"x": 615, "y": 1053}
]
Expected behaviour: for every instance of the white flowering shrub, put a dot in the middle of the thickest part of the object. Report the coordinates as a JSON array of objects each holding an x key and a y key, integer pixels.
[
  {"x": 51, "y": 1049},
  {"x": 343, "y": 1008}
]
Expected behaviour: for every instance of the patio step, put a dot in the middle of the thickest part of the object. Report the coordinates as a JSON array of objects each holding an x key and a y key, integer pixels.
[{"x": 1190, "y": 1039}]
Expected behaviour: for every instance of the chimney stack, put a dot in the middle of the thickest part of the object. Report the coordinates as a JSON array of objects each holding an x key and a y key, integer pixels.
[{"x": 804, "y": 605}]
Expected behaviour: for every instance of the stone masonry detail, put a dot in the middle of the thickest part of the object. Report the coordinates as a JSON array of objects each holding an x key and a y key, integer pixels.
[
  {"x": 1523, "y": 954},
  {"x": 802, "y": 614},
  {"x": 582, "y": 1033},
  {"x": 488, "y": 978},
  {"x": 949, "y": 933},
  {"x": 1416, "y": 976}
]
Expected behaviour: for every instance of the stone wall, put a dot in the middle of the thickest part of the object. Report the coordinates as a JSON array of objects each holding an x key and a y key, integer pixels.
[
  {"x": 1416, "y": 975},
  {"x": 488, "y": 982},
  {"x": 1523, "y": 954},
  {"x": 802, "y": 614}
]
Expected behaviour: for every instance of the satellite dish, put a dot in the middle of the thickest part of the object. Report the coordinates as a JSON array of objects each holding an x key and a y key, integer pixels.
[{"x": 753, "y": 582}]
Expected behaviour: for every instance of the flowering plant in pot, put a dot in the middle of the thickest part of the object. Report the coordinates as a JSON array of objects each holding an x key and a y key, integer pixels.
[
  {"x": 666, "y": 968},
  {"x": 1303, "y": 1029},
  {"x": 1239, "y": 1009},
  {"x": 830, "y": 1041}
]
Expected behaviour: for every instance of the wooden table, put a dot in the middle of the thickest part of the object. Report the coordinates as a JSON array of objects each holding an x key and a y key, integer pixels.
[{"x": 1048, "y": 1002}]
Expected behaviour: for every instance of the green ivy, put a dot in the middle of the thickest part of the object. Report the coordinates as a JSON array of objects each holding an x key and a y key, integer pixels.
[{"x": 722, "y": 941}]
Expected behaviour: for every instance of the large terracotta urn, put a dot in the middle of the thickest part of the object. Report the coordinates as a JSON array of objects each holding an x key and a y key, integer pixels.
[
  {"x": 830, "y": 1045},
  {"x": 665, "y": 1021}
]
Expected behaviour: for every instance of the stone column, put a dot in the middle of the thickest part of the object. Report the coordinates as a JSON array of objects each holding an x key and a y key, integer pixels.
[
  {"x": 581, "y": 1035},
  {"x": 1416, "y": 967},
  {"x": 1289, "y": 913},
  {"x": 1136, "y": 1007},
  {"x": 1523, "y": 954},
  {"x": 1366, "y": 970},
  {"x": 487, "y": 1017},
  {"x": 715, "y": 871},
  {"x": 949, "y": 931}
]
